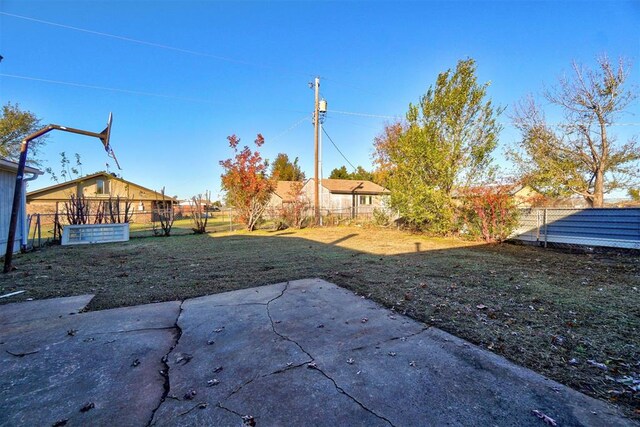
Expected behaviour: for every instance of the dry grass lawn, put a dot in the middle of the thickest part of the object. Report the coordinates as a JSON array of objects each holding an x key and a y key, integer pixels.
[{"x": 556, "y": 312}]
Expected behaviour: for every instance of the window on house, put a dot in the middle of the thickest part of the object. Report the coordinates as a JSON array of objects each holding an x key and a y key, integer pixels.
[
  {"x": 102, "y": 186},
  {"x": 366, "y": 200}
]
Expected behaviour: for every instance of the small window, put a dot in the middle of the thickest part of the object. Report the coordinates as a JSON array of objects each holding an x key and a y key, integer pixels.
[
  {"x": 102, "y": 186},
  {"x": 366, "y": 200}
]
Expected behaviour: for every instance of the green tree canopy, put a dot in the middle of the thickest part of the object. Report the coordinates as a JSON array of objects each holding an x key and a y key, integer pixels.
[
  {"x": 284, "y": 170},
  {"x": 359, "y": 174},
  {"x": 580, "y": 155},
  {"x": 15, "y": 125},
  {"x": 445, "y": 143}
]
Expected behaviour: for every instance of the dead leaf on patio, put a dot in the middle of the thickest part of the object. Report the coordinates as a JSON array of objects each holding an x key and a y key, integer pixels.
[
  {"x": 249, "y": 421},
  {"x": 364, "y": 320},
  {"x": 392, "y": 353},
  {"x": 71, "y": 332},
  {"x": 183, "y": 358},
  {"x": 217, "y": 369},
  {"x": 135, "y": 363},
  {"x": 213, "y": 382},
  {"x": 350, "y": 361},
  {"x": 218, "y": 330},
  {"x": 547, "y": 419},
  {"x": 190, "y": 394},
  {"x": 481, "y": 306},
  {"x": 87, "y": 407},
  {"x": 60, "y": 423}
]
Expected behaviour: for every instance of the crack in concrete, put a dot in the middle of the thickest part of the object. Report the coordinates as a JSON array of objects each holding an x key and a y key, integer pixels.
[
  {"x": 362, "y": 347},
  {"x": 219, "y": 405},
  {"x": 165, "y": 371},
  {"x": 341, "y": 390},
  {"x": 315, "y": 367}
]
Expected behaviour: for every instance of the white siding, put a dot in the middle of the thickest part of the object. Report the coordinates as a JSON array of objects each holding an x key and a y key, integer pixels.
[{"x": 7, "y": 186}]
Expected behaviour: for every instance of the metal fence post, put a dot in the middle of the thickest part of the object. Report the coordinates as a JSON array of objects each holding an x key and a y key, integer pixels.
[{"x": 545, "y": 228}]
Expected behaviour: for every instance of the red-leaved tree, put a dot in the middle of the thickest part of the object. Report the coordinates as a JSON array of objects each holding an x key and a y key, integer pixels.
[
  {"x": 246, "y": 183},
  {"x": 490, "y": 212}
]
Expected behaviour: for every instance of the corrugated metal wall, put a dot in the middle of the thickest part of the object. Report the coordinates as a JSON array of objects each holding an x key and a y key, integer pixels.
[
  {"x": 609, "y": 227},
  {"x": 7, "y": 186}
]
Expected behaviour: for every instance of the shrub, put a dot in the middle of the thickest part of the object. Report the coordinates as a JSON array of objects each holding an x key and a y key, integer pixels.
[{"x": 489, "y": 213}]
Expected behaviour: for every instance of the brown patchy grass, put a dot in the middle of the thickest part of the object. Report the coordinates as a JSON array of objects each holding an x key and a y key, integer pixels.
[{"x": 540, "y": 308}]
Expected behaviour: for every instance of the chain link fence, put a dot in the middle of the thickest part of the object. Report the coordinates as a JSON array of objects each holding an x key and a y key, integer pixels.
[{"x": 606, "y": 227}]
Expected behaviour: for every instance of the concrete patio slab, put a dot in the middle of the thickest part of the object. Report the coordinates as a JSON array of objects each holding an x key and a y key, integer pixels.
[
  {"x": 304, "y": 352},
  {"x": 98, "y": 368},
  {"x": 21, "y": 312}
]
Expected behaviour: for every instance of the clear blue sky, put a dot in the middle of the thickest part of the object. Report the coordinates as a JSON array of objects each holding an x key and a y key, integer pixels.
[{"x": 243, "y": 68}]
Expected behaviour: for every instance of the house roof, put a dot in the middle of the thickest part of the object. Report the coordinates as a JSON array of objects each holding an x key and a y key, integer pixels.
[
  {"x": 510, "y": 189},
  {"x": 10, "y": 166},
  {"x": 284, "y": 189},
  {"x": 157, "y": 195},
  {"x": 349, "y": 186}
]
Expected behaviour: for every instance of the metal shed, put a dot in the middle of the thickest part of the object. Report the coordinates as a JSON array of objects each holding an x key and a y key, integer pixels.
[{"x": 8, "y": 171}]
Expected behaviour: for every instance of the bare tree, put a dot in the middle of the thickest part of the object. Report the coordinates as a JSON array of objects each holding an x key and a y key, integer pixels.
[
  {"x": 199, "y": 215},
  {"x": 579, "y": 155}
]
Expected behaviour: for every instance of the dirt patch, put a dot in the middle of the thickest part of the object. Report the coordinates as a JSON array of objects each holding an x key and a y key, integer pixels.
[{"x": 574, "y": 317}]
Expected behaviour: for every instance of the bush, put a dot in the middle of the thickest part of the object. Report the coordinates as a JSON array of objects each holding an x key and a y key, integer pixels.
[
  {"x": 381, "y": 217},
  {"x": 489, "y": 213}
]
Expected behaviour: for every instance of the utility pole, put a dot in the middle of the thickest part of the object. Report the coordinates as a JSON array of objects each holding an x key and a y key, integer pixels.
[{"x": 316, "y": 128}]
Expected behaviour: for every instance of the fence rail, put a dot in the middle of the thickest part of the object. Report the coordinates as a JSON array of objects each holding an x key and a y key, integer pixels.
[{"x": 606, "y": 227}]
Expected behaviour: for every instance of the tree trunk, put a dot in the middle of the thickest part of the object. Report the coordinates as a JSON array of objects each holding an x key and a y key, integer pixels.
[{"x": 598, "y": 190}]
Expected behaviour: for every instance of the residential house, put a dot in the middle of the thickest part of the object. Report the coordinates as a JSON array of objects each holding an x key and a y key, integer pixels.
[
  {"x": 523, "y": 195},
  {"x": 346, "y": 197},
  {"x": 101, "y": 186},
  {"x": 8, "y": 171},
  {"x": 284, "y": 193}
]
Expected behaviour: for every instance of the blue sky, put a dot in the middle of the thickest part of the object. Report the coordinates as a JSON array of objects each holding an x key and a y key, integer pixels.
[{"x": 211, "y": 69}]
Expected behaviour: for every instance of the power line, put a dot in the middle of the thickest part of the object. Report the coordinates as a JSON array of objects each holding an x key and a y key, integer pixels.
[
  {"x": 128, "y": 91},
  {"x": 111, "y": 89},
  {"x": 349, "y": 113},
  {"x": 292, "y": 127},
  {"x": 336, "y": 147},
  {"x": 152, "y": 44}
]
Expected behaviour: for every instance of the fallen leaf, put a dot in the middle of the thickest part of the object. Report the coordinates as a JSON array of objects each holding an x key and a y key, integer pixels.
[
  {"x": 547, "y": 419},
  {"x": 135, "y": 363},
  {"x": 87, "y": 407}
]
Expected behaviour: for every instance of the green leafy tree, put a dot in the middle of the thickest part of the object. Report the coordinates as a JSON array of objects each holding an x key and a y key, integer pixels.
[
  {"x": 634, "y": 193},
  {"x": 360, "y": 174},
  {"x": 284, "y": 170},
  {"x": 15, "y": 125},
  {"x": 445, "y": 143},
  {"x": 339, "y": 173},
  {"x": 579, "y": 156}
]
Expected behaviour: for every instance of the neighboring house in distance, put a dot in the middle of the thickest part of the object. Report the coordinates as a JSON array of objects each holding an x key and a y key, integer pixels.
[
  {"x": 99, "y": 187},
  {"x": 8, "y": 170},
  {"x": 347, "y": 197},
  {"x": 284, "y": 193},
  {"x": 523, "y": 195}
]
